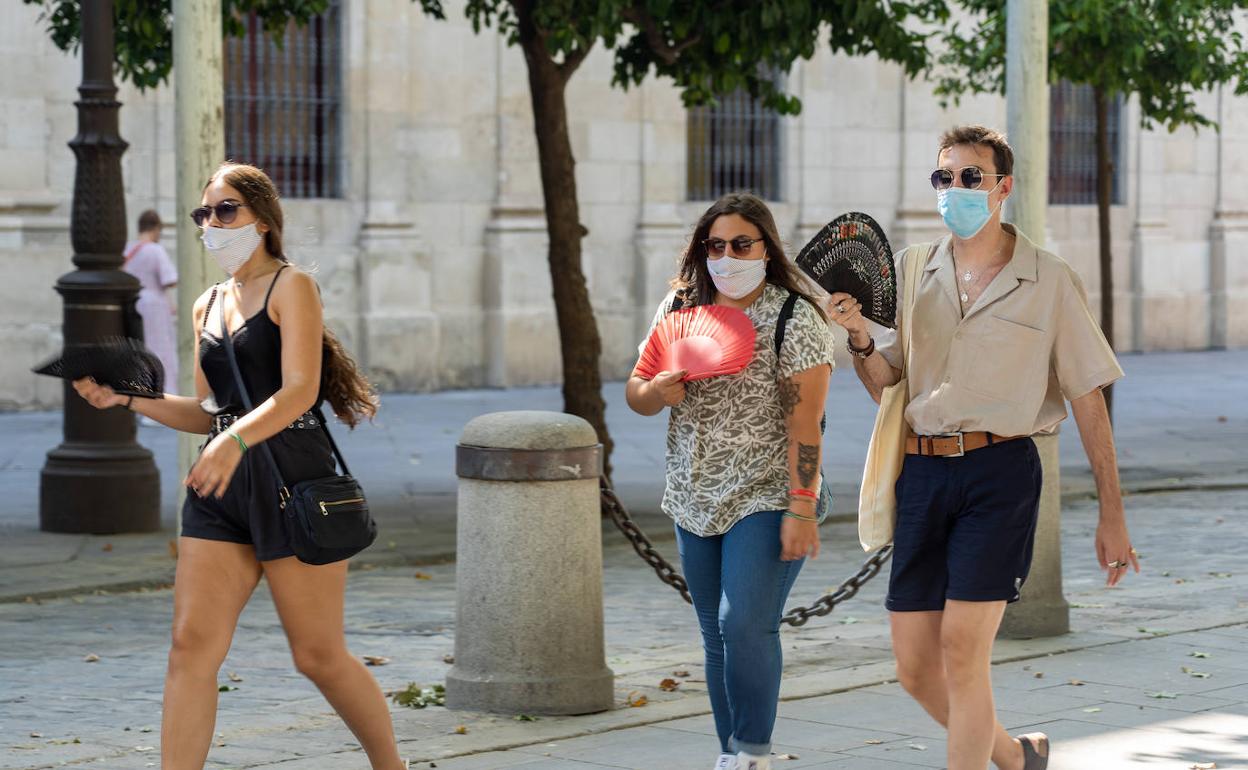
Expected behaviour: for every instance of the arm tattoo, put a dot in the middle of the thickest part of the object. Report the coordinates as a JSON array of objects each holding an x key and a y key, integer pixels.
[
  {"x": 807, "y": 463},
  {"x": 790, "y": 395}
]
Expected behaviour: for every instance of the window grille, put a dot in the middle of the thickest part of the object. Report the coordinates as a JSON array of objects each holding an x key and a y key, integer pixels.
[
  {"x": 282, "y": 103},
  {"x": 733, "y": 145},
  {"x": 1072, "y": 145}
]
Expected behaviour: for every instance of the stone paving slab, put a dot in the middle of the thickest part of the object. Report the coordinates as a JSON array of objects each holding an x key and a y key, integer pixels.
[
  {"x": 1128, "y": 642},
  {"x": 1167, "y": 438}
]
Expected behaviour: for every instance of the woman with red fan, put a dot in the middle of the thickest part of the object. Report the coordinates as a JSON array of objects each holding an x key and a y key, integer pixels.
[
  {"x": 743, "y": 450},
  {"x": 233, "y": 524}
]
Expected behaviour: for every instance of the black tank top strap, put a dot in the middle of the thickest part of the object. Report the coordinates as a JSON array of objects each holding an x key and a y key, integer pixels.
[{"x": 272, "y": 283}]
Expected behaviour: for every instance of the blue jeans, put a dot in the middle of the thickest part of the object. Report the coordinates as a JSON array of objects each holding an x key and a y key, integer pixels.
[{"x": 739, "y": 587}]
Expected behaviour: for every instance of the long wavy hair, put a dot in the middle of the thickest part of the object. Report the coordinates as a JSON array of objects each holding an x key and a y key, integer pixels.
[
  {"x": 342, "y": 384},
  {"x": 693, "y": 282}
]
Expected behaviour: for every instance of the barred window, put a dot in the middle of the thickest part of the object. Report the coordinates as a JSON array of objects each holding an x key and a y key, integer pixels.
[
  {"x": 282, "y": 103},
  {"x": 733, "y": 145},
  {"x": 1072, "y": 145}
]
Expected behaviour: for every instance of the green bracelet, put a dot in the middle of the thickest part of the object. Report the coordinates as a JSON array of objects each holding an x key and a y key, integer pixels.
[
  {"x": 241, "y": 444},
  {"x": 792, "y": 515}
]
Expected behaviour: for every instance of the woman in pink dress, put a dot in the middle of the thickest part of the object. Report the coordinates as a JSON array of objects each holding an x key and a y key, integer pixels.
[{"x": 148, "y": 261}]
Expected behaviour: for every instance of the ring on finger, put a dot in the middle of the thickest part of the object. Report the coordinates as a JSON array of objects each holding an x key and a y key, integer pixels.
[
  {"x": 1117, "y": 564},
  {"x": 840, "y": 308}
]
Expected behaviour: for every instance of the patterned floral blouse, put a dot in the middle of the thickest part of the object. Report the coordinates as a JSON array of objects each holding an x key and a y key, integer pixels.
[{"x": 728, "y": 441}]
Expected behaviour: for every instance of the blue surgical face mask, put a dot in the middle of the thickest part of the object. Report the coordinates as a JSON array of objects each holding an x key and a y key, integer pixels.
[{"x": 964, "y": 211}]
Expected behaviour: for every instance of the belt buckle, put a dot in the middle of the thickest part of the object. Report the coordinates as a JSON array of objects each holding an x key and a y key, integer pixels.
[{"x": 961, "y": 443}]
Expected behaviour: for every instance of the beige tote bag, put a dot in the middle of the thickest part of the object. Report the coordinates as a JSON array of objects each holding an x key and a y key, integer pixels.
[{"x": 877, "y": 498}]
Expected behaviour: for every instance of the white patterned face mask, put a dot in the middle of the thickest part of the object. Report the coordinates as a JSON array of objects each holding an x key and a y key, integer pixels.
[
  {"x": 231, "y": 247},
  {"x": 734, "y": 277}
]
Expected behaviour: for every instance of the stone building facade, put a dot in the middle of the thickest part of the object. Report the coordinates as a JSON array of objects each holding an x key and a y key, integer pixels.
[{"x": 431, "y": 248}]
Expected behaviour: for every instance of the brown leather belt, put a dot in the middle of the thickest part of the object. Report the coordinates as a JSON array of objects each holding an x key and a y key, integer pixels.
[{"x": 953, "y": 444}]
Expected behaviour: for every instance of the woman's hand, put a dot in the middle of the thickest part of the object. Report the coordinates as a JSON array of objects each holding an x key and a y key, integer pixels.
[
  {"x": 97, "y": 395},
  {"x": 669, "y": 386},
  {"x": 215, "y": 467},
  {"x": 846, "y": 312},
  {"x": 798, "y": 538}
]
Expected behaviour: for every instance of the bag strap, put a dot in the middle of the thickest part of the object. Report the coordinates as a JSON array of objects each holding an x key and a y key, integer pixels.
[
  {"x": 246, "y": 396},
  {"x": 782, "y": 321},
  {"x": 911, "y": 267}
]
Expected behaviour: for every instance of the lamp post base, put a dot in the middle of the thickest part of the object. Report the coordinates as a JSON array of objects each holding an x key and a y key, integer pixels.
[{"x": 99, "y": 489}]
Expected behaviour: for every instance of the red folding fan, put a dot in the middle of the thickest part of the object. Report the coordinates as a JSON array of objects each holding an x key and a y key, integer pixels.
[{"x": 704, "y": 340}]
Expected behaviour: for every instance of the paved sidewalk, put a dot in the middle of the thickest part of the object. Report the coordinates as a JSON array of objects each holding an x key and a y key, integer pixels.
[
  {"x": 1181, "y": 420},
  {"x": 1137, "y": 706}
]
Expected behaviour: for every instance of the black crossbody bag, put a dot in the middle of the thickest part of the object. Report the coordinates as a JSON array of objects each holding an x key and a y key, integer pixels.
[{"x": 327, "y": 519}]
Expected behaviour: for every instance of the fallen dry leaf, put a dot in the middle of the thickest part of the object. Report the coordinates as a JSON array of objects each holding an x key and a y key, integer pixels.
[
  {"x": 1039, "y": 675},
  {"x": 787, "y": 756},
  {"x": 91, "y": 658},
  {"x": 233, "y": 677},
  {"x": 448, "y": 659},
  {"x": 423, "y": 576},
  {"x": 461, "y": 729},
  {"x": 669, "y": 685},
  {"x": 637, "y": 700},
  {"x": 917, "y": 746},
  {"x": 106, "y": 547},
  {"x": 1204, "y": 766},
  {"x": 1076, "y": 683},
  {"x": 873, "y": 741},
  {"x": 682, "y": 674},
  {"x": 1092, "y": 710},
  {"x": 375, "y": 660},
  {"x": 36, "y": 735}
]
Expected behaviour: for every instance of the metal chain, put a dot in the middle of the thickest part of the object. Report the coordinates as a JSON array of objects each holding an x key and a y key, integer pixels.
[
  {"x": 826, "y": 603},
  {"x": 797, "y": 616},
  {"x": 641, "y": 544}
]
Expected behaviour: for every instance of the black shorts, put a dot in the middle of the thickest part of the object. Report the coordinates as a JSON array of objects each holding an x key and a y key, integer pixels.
[
  {"x": 965, "y": 526},
  {"x": 250, "y": 511}
]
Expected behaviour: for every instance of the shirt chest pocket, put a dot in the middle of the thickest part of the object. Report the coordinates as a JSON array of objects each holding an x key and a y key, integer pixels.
[{"x": 1008, "y": 361}]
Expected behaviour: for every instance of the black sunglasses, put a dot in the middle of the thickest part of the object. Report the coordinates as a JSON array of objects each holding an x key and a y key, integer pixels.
[
  {"x": 741, "y": 245},
  {"x": 226, "y": 211},
  {"x": 972, "y": 177}
]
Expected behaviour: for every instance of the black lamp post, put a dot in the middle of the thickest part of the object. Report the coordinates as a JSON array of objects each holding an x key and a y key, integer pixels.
[{"x": 99, "y": 480}]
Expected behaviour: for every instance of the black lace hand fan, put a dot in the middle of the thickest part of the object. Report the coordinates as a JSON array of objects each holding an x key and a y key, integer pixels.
[
  {"x": 851, "y": 254},
  {"x": 122, "y": 363}
]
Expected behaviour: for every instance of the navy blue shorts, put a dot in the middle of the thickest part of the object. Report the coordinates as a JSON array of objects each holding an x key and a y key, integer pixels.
[{"x": 965, "y": 526}]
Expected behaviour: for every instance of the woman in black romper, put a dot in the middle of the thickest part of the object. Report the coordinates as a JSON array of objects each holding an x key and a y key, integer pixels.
[{"x": 232, "y": 527}]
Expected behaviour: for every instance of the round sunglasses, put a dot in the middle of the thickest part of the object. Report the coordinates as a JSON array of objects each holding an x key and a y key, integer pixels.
[
  {"x": 972, "y": 177},
  {"x": 741, "y": 245},
  {"x": 226, "y": 212}
]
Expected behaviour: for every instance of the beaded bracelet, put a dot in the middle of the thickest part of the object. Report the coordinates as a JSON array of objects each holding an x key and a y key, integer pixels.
[{"x": 800, "y": 517}]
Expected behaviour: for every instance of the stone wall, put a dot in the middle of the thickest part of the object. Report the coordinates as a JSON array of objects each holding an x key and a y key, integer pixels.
[{"x": 433, "y": 262}]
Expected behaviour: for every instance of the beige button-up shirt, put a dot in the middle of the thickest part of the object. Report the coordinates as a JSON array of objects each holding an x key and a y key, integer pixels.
[{"x": 1027, "y": 346}]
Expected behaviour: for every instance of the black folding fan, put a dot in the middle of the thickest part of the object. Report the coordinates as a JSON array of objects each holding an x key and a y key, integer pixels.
[
  {"x": 122, "y": 363},
  {"x": 851, "y": 254}
]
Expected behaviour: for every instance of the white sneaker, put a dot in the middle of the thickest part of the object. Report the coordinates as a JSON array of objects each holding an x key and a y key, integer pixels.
[
  {"x": 726, "y": 762},
  {"x": 752, "y": 762}
]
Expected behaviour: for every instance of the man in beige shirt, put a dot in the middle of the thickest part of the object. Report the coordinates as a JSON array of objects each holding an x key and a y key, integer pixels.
[{"x": 1001, "y": 339}]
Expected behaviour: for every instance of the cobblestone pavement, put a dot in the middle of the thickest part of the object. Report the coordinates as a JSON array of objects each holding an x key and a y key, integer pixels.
[
  {"x": 1134, "y": 706},
  {"x": 1180, "y": 417}
]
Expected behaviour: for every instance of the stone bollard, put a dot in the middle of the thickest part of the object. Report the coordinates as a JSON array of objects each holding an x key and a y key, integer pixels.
[
  {"x": 1042, "y": 610},
  {"x": 528, "y": 577}
]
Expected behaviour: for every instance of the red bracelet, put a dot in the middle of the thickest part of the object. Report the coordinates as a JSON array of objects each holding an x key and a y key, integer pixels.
[{"x": 803, "y": 493}]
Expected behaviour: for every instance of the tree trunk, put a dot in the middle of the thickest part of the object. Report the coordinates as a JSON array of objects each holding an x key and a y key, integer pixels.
[
  {"x": 1104, "y": 196},
  {"x": 579, "y": 342}
]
